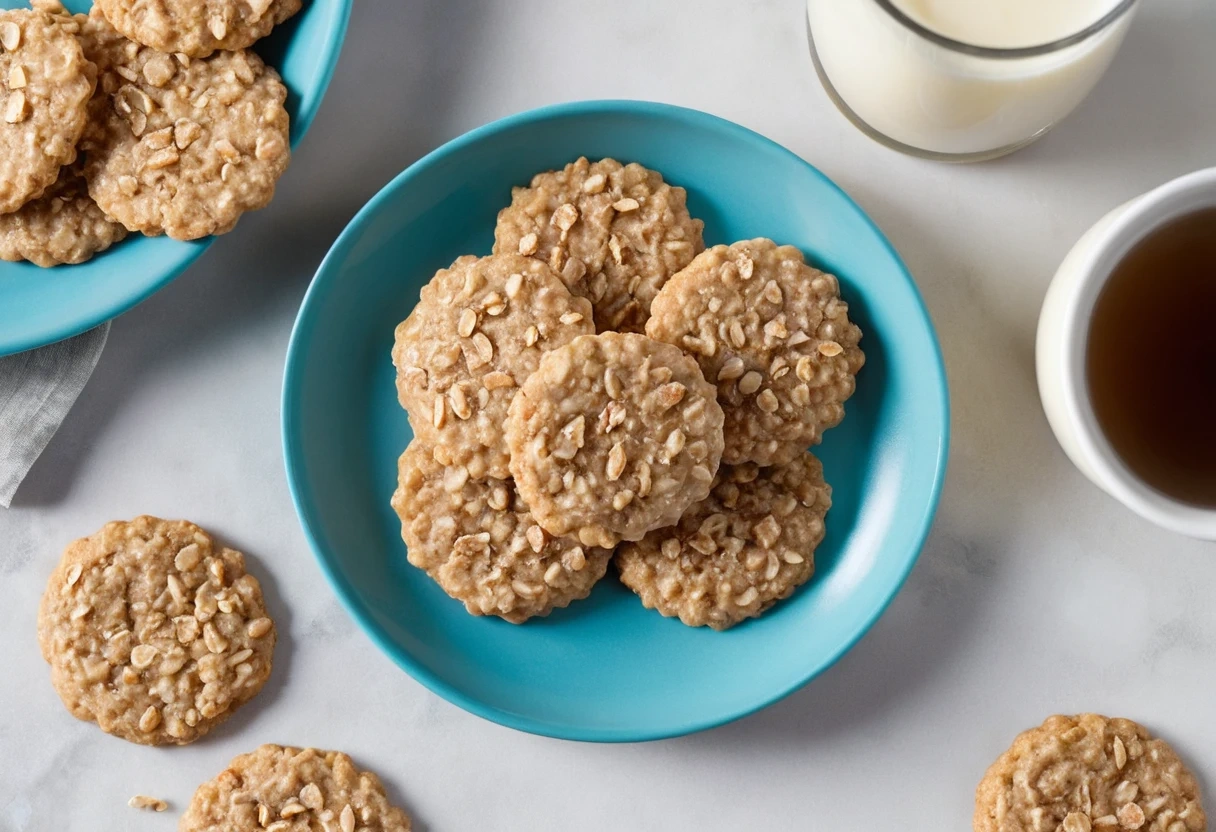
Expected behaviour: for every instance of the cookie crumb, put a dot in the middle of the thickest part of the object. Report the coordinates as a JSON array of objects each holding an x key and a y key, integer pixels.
[{"x": 142, "y": 801}]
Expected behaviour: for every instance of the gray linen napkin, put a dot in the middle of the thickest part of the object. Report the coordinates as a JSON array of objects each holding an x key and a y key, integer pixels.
[{"x": 37, "y": 389}]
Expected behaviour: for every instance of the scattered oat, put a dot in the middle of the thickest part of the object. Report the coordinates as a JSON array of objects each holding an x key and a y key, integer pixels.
[{"x": 142, "y": 801}]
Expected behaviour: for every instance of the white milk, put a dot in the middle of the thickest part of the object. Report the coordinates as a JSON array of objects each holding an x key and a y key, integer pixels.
[
  {"x": 1005, "y": 24},
  {"x": 931, "y": 98}
]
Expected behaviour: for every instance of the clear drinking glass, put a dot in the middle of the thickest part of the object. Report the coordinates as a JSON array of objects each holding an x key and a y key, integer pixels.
[{"x": 928, "y": 95}]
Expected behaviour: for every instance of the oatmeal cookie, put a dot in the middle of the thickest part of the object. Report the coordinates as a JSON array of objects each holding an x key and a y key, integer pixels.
[
  {"x": 197, "y": 28},
  {"x": 478, "y": 540},
  {"x": 748, "y": 545},
  {"x": 154, "y": 632},
  {"x": 612, "y": 436},
  {"x": 182, "y": 147},
  {"x": 774, "y": 335},
  {"x": 477, "y": 332},
  {"x": 64, "y": 225},
  {"x": 614, "y": 232},
  {"x": 280, "y": 789},
  {"x": 1088, "y": 774},
  {"x": 45, "y": 87}
]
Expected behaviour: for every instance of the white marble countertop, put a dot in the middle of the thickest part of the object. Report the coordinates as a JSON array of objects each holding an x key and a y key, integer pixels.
[{"x": 1036, "y": 592}]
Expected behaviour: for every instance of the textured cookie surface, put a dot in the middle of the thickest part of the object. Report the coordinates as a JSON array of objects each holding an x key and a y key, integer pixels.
[
  {"x": 197, "y": 28},
  {"x": 64, "y": 225},
  {"x": 45, "y": 87},
  {"x": 774, "y": 335},
  {"x": 614, "y": 232},
  {"x": 154, "y": 632},
  {"x": 477, "y": 333},
  {"x": 179, "y": 146},
  {"x": 279, "y": 789},
  {"x": 612, "y": 436},
  {"x": 1088, "y": 774},
  {"x": 732, "y": 556},
  {"x": 478, "y": 540}
]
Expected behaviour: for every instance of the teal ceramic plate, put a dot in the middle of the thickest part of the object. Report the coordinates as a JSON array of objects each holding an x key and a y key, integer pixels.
[
  {"x": 40, "y": 306},
  {"x": 605, "y": 668}
]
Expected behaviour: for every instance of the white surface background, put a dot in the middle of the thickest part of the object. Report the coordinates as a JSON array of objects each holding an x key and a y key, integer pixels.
[{"x": 1036, "y": 593}]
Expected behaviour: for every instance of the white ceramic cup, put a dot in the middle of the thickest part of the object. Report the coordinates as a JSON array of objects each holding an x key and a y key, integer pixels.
[{"x": 1061, "y": 344}]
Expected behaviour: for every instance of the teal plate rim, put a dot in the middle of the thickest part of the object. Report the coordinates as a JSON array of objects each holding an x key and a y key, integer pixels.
[
  {"x": 300, "y": 125},
  {"x": 302, "y": 499}
]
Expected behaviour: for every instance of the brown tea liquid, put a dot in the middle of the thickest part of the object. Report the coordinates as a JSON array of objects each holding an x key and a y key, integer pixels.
[{"x": 1151, "y": 358}]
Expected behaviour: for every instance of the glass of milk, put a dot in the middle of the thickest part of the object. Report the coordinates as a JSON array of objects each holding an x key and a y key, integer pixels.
[{"x": 962, "y": 80}]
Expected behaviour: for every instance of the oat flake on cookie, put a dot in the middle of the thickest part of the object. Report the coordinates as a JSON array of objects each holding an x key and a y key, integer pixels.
[
  {"x": 478, "y": 540},
  {"x": 477, "y": 332},
  {"x": 63, "y": 226},
  {"x": 154, "y": 632},
  {"x": 1088, "y": 773},
  {"x": 181, "y": 146},
  {"x": 614, "y": 232},
  {"x": 612, "y": 436},
  {"x": 281, "y": 789},
  {"x": 45, "y": 87},
  {"x": 774, "y": 335},
  {"x": 736, "y": 553},
  {"x": 197, "y": 28}
]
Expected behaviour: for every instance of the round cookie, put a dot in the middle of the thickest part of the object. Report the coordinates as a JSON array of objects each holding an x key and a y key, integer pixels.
[
  {"x": 179, "y": 146},
  {"x": 278, "y": 789},
  {"x": 732, "y": 556},
  {"x": 64, "y": 225},
  {"x": 154, "y": 632},
  {"x": 614, "y": 232},
  {"x": 612, "y": 436},
  {"x": 197, "y": 28},
  {"x": 774, "y": 335},
  {"x": 45, "y": 87},
  {"x": 479, "y": 542},
  {"x": 1088, "y": 774},
  {"x": 478, "y": 330}
]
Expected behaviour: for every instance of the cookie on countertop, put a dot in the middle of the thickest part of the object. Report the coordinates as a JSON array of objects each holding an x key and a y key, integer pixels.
[
  {"x": 475, "y": 335},
  {"x": 774, "y": 335},
  {"x": 1088, "y": 773},
  {"x": 612, "y": 436},
  {"x": 280, "y": 789},
  {"x": 732, "y": 556},
  {"x": 197, "y": 28},
  {"x": 479, "y": 542},
  {"x": 154, "y": 632},
  {"x": 614, "y": 232},
  {"x": 180, "y": 146},
  {"x": 45, "y": 86},
  {"x": 64, "y": 225}
]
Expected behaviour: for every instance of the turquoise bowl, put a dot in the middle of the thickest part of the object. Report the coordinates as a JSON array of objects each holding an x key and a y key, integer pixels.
[
  {"x": 606, "y": 669},
  {"x": 40, "y": 306}
]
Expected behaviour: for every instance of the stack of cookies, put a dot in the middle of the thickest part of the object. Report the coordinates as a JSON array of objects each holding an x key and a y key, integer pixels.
[
  {"x": 600, "y": 384},
  {"x": 140, "y": 116}
]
